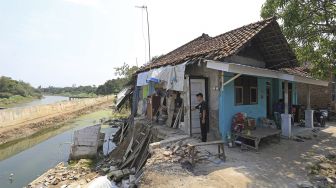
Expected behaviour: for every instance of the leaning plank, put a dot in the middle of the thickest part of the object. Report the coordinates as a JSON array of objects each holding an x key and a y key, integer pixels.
[
  {"x": 135, "y": 152},
  {"x": 143, "y": 156},
  {"x": 128, "y": 149}
]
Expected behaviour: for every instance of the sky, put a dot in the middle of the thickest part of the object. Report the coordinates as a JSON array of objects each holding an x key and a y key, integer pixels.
[{"x": 66, "y": 42}]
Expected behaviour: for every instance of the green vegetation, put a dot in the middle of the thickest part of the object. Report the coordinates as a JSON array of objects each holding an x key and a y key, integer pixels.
[
  {"x": 124, "y": 73},
  {"x": 13, "y": 91},
  {"x": 310, "y": 27},
  {"x": 80, "y": 91}
]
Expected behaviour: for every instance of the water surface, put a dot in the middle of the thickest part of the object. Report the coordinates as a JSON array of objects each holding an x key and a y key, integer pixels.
[
  {"x": 29, "y": 158},
  {"x": 45, "y": 100}
]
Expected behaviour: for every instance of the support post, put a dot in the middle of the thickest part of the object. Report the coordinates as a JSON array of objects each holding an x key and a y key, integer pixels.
[
  {"x": 187, "y": 110},
  {"x": 308, "y": 97},
  {"x": 226, "y": 130},
  {"x": 286, "y": 119},
  {"x": 286, "y": 96},
  {"x": 309, "y": 113}
]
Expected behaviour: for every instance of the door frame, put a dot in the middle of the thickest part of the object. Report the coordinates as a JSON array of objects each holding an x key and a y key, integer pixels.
[{"x": 206, "y": 95}]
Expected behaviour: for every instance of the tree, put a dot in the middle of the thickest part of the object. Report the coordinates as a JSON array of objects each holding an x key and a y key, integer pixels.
[
  {"x": 125, "y": 71},
  {"x": 10, "y": 87},
  {"x": 310, "y": 27}
]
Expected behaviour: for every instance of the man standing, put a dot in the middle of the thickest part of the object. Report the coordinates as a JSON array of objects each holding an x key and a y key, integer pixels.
[{"x": 203, "y": 108}]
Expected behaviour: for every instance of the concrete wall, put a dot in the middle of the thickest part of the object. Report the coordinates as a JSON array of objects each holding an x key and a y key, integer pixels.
[
  {"x": 85, "y": 143},
  {"x": 230, "y": 108},
  {"x": 257, "y": 111},
  {"x": 13, "y": 116},
  {"x": 245, "y": 61}
]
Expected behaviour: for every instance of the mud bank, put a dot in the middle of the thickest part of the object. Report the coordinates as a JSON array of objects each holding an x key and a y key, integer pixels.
[{"x": 28, "y": 128}]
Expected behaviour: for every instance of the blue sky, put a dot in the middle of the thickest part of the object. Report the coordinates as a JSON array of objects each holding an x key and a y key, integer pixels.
[{"x": 65, "y": 42}]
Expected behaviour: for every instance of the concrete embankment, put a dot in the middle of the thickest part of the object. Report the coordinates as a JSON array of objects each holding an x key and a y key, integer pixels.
[{"x": 21, "y": 122}]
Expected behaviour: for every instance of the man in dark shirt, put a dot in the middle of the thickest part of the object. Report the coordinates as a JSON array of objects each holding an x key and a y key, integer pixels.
[{"x": 203, "y": 108}]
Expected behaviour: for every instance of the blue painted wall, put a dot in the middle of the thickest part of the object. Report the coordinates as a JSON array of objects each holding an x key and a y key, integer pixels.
[{"x": 228, "y": 109}]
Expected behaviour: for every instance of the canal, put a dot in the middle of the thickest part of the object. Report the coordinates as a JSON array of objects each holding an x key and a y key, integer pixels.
[
  {"x": 46, "y": 99},
  {"x": 30, "y": 157}
]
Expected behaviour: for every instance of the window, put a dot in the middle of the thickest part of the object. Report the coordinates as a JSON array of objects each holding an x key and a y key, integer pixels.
[
  {"x": 253, "y": 95},
  {"x": 239, "y": 94},
  {"x": 246, "y": 90}
]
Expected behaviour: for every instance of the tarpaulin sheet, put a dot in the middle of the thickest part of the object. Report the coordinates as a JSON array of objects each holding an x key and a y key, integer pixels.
[{"x": 142, "y": 79}]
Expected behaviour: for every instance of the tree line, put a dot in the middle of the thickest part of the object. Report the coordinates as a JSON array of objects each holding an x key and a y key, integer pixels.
[
  {"x": 10, "y": 88},
  {"x": 124, "y": 76}
]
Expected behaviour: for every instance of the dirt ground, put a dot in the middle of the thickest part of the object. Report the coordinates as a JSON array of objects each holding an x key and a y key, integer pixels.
[
  {"x": 25, "y": 129},
  {"x": 284, "y": 164}
]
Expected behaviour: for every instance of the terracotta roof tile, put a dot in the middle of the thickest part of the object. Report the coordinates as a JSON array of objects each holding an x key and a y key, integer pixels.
[
  {"x": 219, "y": 47},
  {"x": 300, "y": 71}
]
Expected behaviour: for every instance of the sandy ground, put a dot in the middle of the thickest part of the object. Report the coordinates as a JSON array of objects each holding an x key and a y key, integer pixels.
[
  {"x": 281, "y": 164},
  {"x": 25, "y": 129}
]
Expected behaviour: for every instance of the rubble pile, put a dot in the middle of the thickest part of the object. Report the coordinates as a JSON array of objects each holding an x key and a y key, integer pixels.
[
  {"x": 323, "y": 173},
  {"x": 66, "y": 176},
  {"x": 174, "y": 157},
  {"x": 121, "y": 177}
]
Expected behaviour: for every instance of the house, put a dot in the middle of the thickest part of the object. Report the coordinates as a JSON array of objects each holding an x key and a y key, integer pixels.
[{"x": 245, "y": 70}]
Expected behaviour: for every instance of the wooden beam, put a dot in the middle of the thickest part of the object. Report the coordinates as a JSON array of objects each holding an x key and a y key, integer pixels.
[{"x": 231, "y": 79}]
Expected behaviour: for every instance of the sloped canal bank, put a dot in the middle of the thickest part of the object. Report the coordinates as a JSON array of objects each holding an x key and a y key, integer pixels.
[{"x": 30, "y": 157}]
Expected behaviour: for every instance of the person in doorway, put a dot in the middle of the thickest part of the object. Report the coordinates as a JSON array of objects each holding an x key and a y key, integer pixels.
[
  {"x": 203, "y": 108},
  {"x": 279, "y": 106}
]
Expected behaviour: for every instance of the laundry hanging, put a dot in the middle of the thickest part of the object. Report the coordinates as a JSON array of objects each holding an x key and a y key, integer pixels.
[{"x": 171, "y": 76}]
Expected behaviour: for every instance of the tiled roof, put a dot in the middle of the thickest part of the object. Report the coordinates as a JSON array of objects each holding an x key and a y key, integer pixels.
[
  {"x": 301, "y": 71},
  {"x": 230, "y": 43}
]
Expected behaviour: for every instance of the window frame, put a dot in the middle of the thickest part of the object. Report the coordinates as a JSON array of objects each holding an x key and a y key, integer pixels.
[
  {"x": 256, "y": 90},
  {"x": 242, "y": 95}
]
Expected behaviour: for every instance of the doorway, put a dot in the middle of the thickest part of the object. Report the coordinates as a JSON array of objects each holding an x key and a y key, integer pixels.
[{"x": 197, "y": 85}]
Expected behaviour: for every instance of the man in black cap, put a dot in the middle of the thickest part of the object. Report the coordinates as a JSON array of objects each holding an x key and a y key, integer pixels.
[{"x": 203, "y": 108}]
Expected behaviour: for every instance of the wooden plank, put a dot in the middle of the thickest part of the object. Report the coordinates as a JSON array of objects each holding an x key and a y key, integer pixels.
[
  {"x": 219, "y": 143},
  {"x": 178, "y": 117},
  {"x": 257, "y": 135},
  {"x": 207, "y": 143}
]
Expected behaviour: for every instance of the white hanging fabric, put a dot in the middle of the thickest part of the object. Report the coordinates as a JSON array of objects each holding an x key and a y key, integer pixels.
[{"x": 171, "y": 76}]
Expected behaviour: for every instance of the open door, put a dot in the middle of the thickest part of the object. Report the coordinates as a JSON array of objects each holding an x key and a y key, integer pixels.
[{"x": 197, "y": 85}]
